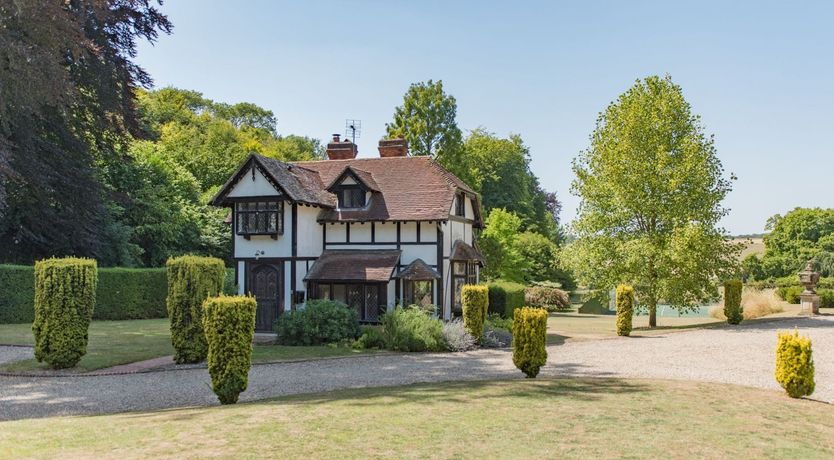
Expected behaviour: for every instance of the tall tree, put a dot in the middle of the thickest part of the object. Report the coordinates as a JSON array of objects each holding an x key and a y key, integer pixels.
[
  {"x": 801, "y": 235},
  {"x": 427, "y": 121},
  {"x": 651, "y": 187},
  {"x": 500, "y": 171},
  {"x": 499, "y": 244},
  {"x": 66, "y": 112}
]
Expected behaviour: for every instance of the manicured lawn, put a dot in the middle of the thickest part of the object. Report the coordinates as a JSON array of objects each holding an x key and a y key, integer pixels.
[
  {"x": 563, "y": 327},
  {"x": 111, "y": 343},
  {"x": 118, "y": 342},
  {"x": 573, "y": 418}
]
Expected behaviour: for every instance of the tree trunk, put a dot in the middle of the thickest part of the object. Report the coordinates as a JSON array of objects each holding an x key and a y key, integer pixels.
[{"x": 652, "y": 313}]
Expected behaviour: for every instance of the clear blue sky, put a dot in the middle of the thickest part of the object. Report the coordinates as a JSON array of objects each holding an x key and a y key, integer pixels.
[{"x": 760, "y": 74}]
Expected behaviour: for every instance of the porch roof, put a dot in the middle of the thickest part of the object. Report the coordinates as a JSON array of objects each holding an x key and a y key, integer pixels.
[
  {"x": 344, "y": 265},
  {"x": 419, "y": 270}
]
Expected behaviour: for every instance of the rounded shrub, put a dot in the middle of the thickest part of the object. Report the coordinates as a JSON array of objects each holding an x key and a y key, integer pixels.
[
  {"x": 625, "y": 309},
  {"x": 371, "y": 338},
  {"x": 790, "y": 294},
  {"x": 529, "y": 338},
  {"x": 319, "y": 322},
  {"x": 65, "y": 297},
  {"x": 475, "y": 301},
  {"x": 549, "y": 297},
  {"x": 410, "y": 329},
  {"x": 732, "y": 301},
  {"x": 794, "y": 364},
  {"x": 229, "y": 327},
  {"x": 191, "y": 279}
]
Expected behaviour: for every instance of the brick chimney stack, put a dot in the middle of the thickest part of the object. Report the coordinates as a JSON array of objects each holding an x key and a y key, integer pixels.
[
  {"x": 393, "y": 148},
  {"x": 341, "y": 150}
]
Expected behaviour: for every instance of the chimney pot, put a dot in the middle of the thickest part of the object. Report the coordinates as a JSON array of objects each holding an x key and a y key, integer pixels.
[
  {"x": 393, "y": 148},
  {"x": 341, "y": 150}
]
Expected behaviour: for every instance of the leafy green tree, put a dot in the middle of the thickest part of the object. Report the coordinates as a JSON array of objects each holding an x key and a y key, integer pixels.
[
  {"x": 500, "y": 171},
  {"x": 66, "y": 111},
  {"x": 499, "y": 244},
  {"x": 651, "y": 186},
  {"x": 801, "y": 235},
  {"x": 542, "y": 260},
  {"x": 427, "y": 121}
]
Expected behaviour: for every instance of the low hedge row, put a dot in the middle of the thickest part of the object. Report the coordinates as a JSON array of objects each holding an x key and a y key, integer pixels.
[
  {"x": 505, "y": 297},
  {"x": 791, "y": 294},
  {"x": 789, "y": 281},
  {"x": 122, "y": 293}
]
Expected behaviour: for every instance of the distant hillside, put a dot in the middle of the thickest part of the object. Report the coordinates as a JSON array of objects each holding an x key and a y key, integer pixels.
[{"x": 754, "y": 245}]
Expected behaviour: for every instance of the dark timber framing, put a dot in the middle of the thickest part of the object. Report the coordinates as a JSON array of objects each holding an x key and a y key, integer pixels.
[{"x": 294, "y": 255}]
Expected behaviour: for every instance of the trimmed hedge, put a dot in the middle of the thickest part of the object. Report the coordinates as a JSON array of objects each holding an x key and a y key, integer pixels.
[
  {"x": 229, "y": 325},
  {"x": 17, "y": 294},
  {"x": 505, "y": 297},
  {"x": 319, "y": 322},
  {"x": 625, "y": 309},
  {"x": 529, "y": 338},
  {"x": 122, "y": 293},
  {"x": 65, "y": 297},
  {"x": 732, "y": 301},
  {"x": 790, "y": 281},
  {"x": 191, "y": 279},
  {"x": 795, "y": 364},
  {"x": 475, "y": 301}
]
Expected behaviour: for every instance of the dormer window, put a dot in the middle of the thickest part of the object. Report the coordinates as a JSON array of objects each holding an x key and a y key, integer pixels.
[
  {"x": 352, "y": 196},
  {"x": 460, "y": 205},
  {"x": 260, "y": 218}
]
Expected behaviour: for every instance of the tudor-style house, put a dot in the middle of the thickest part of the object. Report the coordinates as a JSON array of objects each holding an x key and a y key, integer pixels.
[{"x": 370, "y": 232}]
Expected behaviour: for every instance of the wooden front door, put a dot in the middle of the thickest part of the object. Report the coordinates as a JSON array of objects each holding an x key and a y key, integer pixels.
[{"x": 265, "y": 285}]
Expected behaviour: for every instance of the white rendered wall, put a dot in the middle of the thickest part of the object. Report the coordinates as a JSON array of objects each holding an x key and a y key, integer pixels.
[
  {"x": 360, "y": 233},
  {"x": 309, "y": 232},
  {"x": 247, "y": 187}
]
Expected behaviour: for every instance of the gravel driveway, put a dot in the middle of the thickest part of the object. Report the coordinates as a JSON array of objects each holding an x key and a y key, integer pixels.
[{"x": 742, "y": 355}]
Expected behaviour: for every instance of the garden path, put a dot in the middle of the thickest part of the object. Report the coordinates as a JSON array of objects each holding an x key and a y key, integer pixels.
[{"x": 741, "y": 355}]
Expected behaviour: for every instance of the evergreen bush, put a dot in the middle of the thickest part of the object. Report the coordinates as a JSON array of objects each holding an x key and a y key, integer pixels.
[
  {"x": 229, "y": 326},
  {"x": 790, "y": 294},
  {"x": 319, "y": 322},
  {"x": 529, "y": 339},
  {"x": 625, "y": 309},
  {"x": 191, "y": 279},
  {"x": 732, "y": 301},
  {"x": 475, "y": 301},
  {"x": 409, "y": 329},
  {"x": 504, "y": 297},
  {"x": 457, "y": 336},
  {"x": 65, "y": 297},
  {"x": 794, "y": 364}
]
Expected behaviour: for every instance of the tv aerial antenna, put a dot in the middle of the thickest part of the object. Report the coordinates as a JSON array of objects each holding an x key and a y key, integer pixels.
[{"x": 353, "y": 129}]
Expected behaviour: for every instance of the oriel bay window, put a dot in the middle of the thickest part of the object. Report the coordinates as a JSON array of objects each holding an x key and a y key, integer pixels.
[
  {"x": 419, "y": 292},
  {"x": 260, "y": 218}
]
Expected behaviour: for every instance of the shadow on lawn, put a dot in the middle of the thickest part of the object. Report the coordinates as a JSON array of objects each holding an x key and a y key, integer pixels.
[{"x": 471, "y": 392}]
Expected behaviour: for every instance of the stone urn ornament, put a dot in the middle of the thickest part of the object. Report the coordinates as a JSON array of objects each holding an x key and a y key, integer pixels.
[{"x": 809, "y": 301}]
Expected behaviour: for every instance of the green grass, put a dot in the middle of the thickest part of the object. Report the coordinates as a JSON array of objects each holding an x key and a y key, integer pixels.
[
  {"x": 111, "y": 343},
  {"x": 563, "y": 418},
  {"x": 119, "y": 342}
]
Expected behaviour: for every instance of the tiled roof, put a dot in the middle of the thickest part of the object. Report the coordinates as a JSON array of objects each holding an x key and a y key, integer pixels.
[
  {"x": 354, "y": 265},
  {"x": 402, "y": 188},
  {"x": 419, "y": 270},
  {"x": 299, "y": 184},
  {"x": 463, "y": 251},
  {"x": 410, "y": 188}
]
